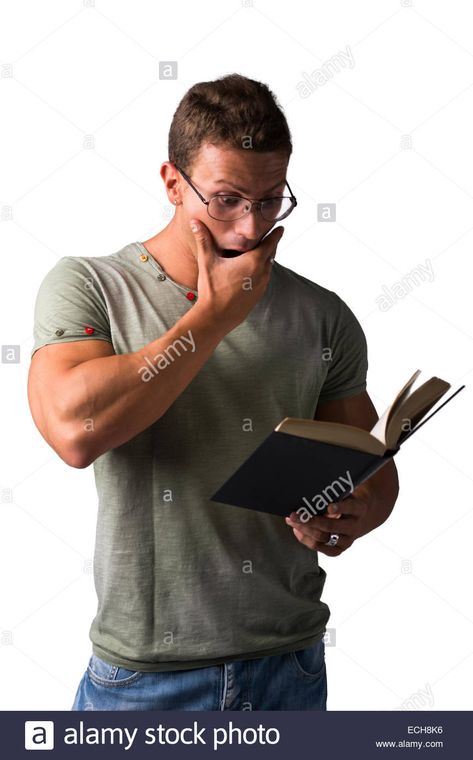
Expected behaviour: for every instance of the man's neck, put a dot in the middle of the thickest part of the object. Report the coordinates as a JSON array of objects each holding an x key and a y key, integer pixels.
[{"x": 172, "y": 252}]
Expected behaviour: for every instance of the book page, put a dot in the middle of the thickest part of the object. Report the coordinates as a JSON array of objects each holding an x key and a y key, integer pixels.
[{"x": 379, "y": 429}]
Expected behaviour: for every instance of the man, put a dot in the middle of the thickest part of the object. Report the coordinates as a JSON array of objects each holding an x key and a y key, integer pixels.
[{"x": 165, "y": 364}]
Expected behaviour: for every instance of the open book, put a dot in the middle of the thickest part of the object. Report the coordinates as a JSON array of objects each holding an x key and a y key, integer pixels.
[
  {"x": 396, "y": 423},
  {"x": 301, "y": 457}
]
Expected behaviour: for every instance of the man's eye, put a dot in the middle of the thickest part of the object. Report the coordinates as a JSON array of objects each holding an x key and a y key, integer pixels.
[
  {"x": 273, "y": 203},
  {"x": 228, "y": 200}
]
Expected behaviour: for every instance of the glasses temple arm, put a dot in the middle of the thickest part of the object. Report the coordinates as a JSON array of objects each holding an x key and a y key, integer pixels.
[{"x": 292, "y": 194}]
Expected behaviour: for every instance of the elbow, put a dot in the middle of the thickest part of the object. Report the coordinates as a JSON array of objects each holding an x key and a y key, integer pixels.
[
  {"x": 62, "y": 434},
  {"x": 73, "y": 451},
  {"x": 390, "y": 488},
  {"x": 75, "y": 460},
  {"x": 395, "y": 482},
  {"x": 388, "y": 483}
]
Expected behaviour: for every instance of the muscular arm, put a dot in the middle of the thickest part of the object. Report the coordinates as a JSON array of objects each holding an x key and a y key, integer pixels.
[{"x": 85, "y": 400}]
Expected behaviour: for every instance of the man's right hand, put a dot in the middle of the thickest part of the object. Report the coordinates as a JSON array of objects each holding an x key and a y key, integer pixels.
[{"x": 229, "y": 288}]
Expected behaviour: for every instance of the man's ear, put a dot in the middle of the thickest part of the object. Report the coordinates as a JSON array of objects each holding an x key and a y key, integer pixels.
[{"x": 172, "y": 182}]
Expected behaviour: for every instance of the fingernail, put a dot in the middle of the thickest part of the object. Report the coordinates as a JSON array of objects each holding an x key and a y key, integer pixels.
[{"x": 194, "y": 225}]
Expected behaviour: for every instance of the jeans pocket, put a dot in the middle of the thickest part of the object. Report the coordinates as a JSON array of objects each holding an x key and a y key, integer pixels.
[
  {"x": 106, "y": 674},
  {"x": 309, "y": 662}
]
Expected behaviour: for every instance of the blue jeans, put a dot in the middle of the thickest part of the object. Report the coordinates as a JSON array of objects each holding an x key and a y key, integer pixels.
[{"x": 293, "y": 681}]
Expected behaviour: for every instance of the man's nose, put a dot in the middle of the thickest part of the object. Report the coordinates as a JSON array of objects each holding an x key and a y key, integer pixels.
[{"x": 251, "y": 225}]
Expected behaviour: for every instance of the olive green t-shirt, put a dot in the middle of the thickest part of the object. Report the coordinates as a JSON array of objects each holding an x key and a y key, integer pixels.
[{"x": 184, "y": 582}]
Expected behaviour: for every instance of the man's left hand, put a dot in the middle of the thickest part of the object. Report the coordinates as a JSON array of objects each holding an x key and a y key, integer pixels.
[{"x": 350, "y": 525}]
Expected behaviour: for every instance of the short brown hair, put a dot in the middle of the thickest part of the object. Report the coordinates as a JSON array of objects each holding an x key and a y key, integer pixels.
[{"x": 232, "y": 110}]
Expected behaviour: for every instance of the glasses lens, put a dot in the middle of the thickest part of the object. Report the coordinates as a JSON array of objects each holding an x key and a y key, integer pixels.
[
  {"x": 227, "y": 207},
  {"x": 276, "y": 208}
]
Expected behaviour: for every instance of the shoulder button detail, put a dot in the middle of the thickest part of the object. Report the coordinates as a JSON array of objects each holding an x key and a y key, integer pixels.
[
  {"x": 59, "y": 332},
  {"x": 143, "y": 257}
]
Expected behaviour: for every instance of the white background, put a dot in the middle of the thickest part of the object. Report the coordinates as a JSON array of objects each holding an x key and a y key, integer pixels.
[{"x": 83, "y": 134}]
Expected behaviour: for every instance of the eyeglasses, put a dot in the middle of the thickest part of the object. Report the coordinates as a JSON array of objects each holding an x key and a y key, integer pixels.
[{"x": 227, "y": 208}]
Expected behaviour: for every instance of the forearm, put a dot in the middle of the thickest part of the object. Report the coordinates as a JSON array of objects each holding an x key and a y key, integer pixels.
[
  {"x": 380, "y": 492},
  {"x": 114, "y": 398}
]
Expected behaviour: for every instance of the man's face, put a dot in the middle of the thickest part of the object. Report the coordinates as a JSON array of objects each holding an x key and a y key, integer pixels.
[{"x": 218, "y": 169}]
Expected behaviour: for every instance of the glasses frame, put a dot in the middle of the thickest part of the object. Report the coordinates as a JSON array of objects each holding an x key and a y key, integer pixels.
[{"x": 252, "y": 202}]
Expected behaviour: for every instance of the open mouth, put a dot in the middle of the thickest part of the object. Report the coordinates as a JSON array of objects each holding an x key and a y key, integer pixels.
[{"x": 229, "y": 253}]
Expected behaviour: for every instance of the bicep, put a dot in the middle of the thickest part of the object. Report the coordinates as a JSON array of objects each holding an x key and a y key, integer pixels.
[{"x": 357, "y": 410}]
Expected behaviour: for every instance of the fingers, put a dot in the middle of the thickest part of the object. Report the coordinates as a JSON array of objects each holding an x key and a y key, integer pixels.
[
  {"x": 271, "y": 242},
  {"x": 267, "y": 249},
  {"x": 319, "y": 525},
  {"x": 311, "y": 528},
  {"x": 351, "y": 506},
  {"x": 320, "y": 545}
]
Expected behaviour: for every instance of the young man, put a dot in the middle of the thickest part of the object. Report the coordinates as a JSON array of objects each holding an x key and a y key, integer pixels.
[{"x": 165, "y": 364}]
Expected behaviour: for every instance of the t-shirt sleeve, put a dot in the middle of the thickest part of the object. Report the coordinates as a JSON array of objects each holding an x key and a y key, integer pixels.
[
  {"x": 348, "y": 366},
  {"x": 70, "y": 305}
]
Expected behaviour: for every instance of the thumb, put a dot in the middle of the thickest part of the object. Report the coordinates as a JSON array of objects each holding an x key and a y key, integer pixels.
[{"x": 201, "y": 236}]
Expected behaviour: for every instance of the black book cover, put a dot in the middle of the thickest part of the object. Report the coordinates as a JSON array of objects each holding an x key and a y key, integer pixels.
[
  {"x": 288, "y": 472},
  {"x": 286, "y": 468}
]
